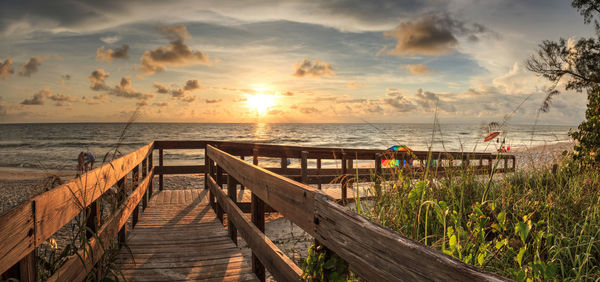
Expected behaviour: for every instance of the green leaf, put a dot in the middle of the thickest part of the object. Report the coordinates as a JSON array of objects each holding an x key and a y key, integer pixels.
[
  {"x": 522, "y": 229},
  {"x": 520, "y": 255},
  {"x": 481, "y": 259}
]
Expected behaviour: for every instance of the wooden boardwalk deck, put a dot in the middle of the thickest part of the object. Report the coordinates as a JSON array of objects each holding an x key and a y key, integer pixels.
[{"x": 178, "y": 237}]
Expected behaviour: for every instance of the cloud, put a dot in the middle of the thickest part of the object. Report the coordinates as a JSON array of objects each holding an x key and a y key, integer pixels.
[
  {"x": 6, "y": 69},
  {"x": 30, "y": 67},
  {"x": 431, "y": 34},
  {"x": 66, "y": 76},
  {"x": 123, "y": 89},
  {"x": 213, "y": 101},
  {"x": 418, "y": 69},
  {"x": 161, "y": 104},
  {"x": 192, "y": 85},
  {"x": 308, "y": 110},
  {"x": 397, "y": 101},
  {"x": 40, "y": 97},
  {"x": 160, "y": 88},
  {"x": 316, "y": 69},
  {"x": 179, "y": 93},
  {"x": 429, "y": 101},
  {"x": 97, "y": 79},
  {"x": 110, "y": 39},
  {"x": 288, "y": 93},
  {"x": 188, "y": 99},
  {"x": 109, "y": 55},
  {"x": 177, "y": 53}
]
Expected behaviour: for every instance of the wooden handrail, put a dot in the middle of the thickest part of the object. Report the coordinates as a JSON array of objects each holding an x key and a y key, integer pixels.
[
  {"x": 374, "y": 252},
  {"x": 34, "y": 221}
]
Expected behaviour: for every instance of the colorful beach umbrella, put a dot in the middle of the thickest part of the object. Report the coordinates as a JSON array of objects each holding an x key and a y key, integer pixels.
[
  {"x": 395, "y": 148},
  {"x": 491, "y": 136}
]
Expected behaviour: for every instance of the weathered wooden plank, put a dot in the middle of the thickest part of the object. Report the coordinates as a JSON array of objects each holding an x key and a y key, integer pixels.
[
  {"x": 292, "y": 199},
  {"x": 278, "y": 264},
  {"x": 17, "y": 231},
  {"x": 181, "y": 169},
  {"x": 77, "y": 266},
  {"x": 379, "y": 254},
  {"x": 188, "y": 196}
]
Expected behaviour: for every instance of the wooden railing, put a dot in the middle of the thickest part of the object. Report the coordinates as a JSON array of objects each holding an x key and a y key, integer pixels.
[
  {"x": 26, "y": 227},
  {"x": 440, "y": 163},
  {"x": 373, "y": 252},
  {"x": 382, "y": 255}
]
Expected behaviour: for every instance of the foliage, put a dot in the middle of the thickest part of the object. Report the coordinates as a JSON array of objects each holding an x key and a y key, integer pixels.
[
  {"x": 577, "y": 63},
  {"x": 532, "y": 225},
  {"x": 588, "y": 134},
  {"x": 321, "y": 264}
]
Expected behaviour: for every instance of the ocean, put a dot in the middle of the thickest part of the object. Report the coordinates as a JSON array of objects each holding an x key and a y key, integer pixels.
[{"x": 56, "y": 146}]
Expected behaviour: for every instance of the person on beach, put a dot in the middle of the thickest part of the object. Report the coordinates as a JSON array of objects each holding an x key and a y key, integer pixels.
[
  {"x": 89, "y": 160},
  {"x": 80, "y": 162}
]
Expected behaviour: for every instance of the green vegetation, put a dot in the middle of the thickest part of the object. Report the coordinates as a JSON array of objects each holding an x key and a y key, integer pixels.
[{"x": 532, "y": 224}]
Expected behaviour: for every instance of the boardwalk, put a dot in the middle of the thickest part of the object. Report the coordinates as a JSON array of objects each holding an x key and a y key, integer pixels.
[{"x": 179, "y": 237}]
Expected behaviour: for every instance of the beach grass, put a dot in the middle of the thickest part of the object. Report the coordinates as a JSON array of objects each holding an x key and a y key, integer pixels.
[{"x": 539, "y": 223}]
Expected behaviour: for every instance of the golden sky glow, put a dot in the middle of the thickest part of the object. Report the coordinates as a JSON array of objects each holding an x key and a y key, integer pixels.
[{"x": 261, "y": 103}]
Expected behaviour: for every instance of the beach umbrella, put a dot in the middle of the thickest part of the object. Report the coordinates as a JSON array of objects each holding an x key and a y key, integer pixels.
[
  {"x": 395, "y": 148},
  {"x": 491, "y": 136}
]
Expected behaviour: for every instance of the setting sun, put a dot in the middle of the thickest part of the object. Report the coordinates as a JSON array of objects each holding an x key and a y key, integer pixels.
[{"x": 260, "y": 103}]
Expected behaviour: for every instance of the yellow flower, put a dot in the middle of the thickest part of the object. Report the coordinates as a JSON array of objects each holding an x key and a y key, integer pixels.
[{"x": 52, "y": 243}]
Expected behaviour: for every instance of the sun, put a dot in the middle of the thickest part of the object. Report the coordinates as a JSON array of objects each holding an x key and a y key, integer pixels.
[{"x": 260, "y": 103}]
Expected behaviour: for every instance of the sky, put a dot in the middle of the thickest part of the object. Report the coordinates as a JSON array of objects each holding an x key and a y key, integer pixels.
[{"x": 295, "y": 61}]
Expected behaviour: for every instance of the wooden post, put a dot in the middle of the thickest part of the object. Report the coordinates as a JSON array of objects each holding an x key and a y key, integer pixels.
[
  {"x": 284, "y": 162},
  {"x": 242, "y": 186},
  {"x": 304, "y": 167},
  {"x": 257, "y": 210},
  {"x": 255, "y": 156},
  {"x": 205, "y": 165},
  {"x": 160, "y": 164},
  {"x": 122, "y": 195},
  {"x": 319, "y": 172},
  {"x": 220, "y": 183},
  {"x": 93, "y": 218},
  {"x": 505, "y": 162},
  {"x": 135, "y": 179},
  {"x": 150, "y": 167},
  {"x": 344, "y": 178},
  {"x": 232, "y": 193},
  {"x": 28, "y": 268},
  {"x": 211, "y": 173},
  {"x": 144, "y": 174},
  {"x": 378, "y": 174}
]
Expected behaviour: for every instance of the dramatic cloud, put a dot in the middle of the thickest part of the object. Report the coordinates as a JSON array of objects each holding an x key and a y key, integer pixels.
[
  {"x": 109, "y": 55},
  {"x": 418, "y": 69},
  {"x": 213, "y": 101},
  {"x": 431, "y": 35},
  {"x": 30, "y": 67},
  {"x": 316, "y": 69},
  {"x": 177, "y": 53},
  {"x": 6, "y": 69}
]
